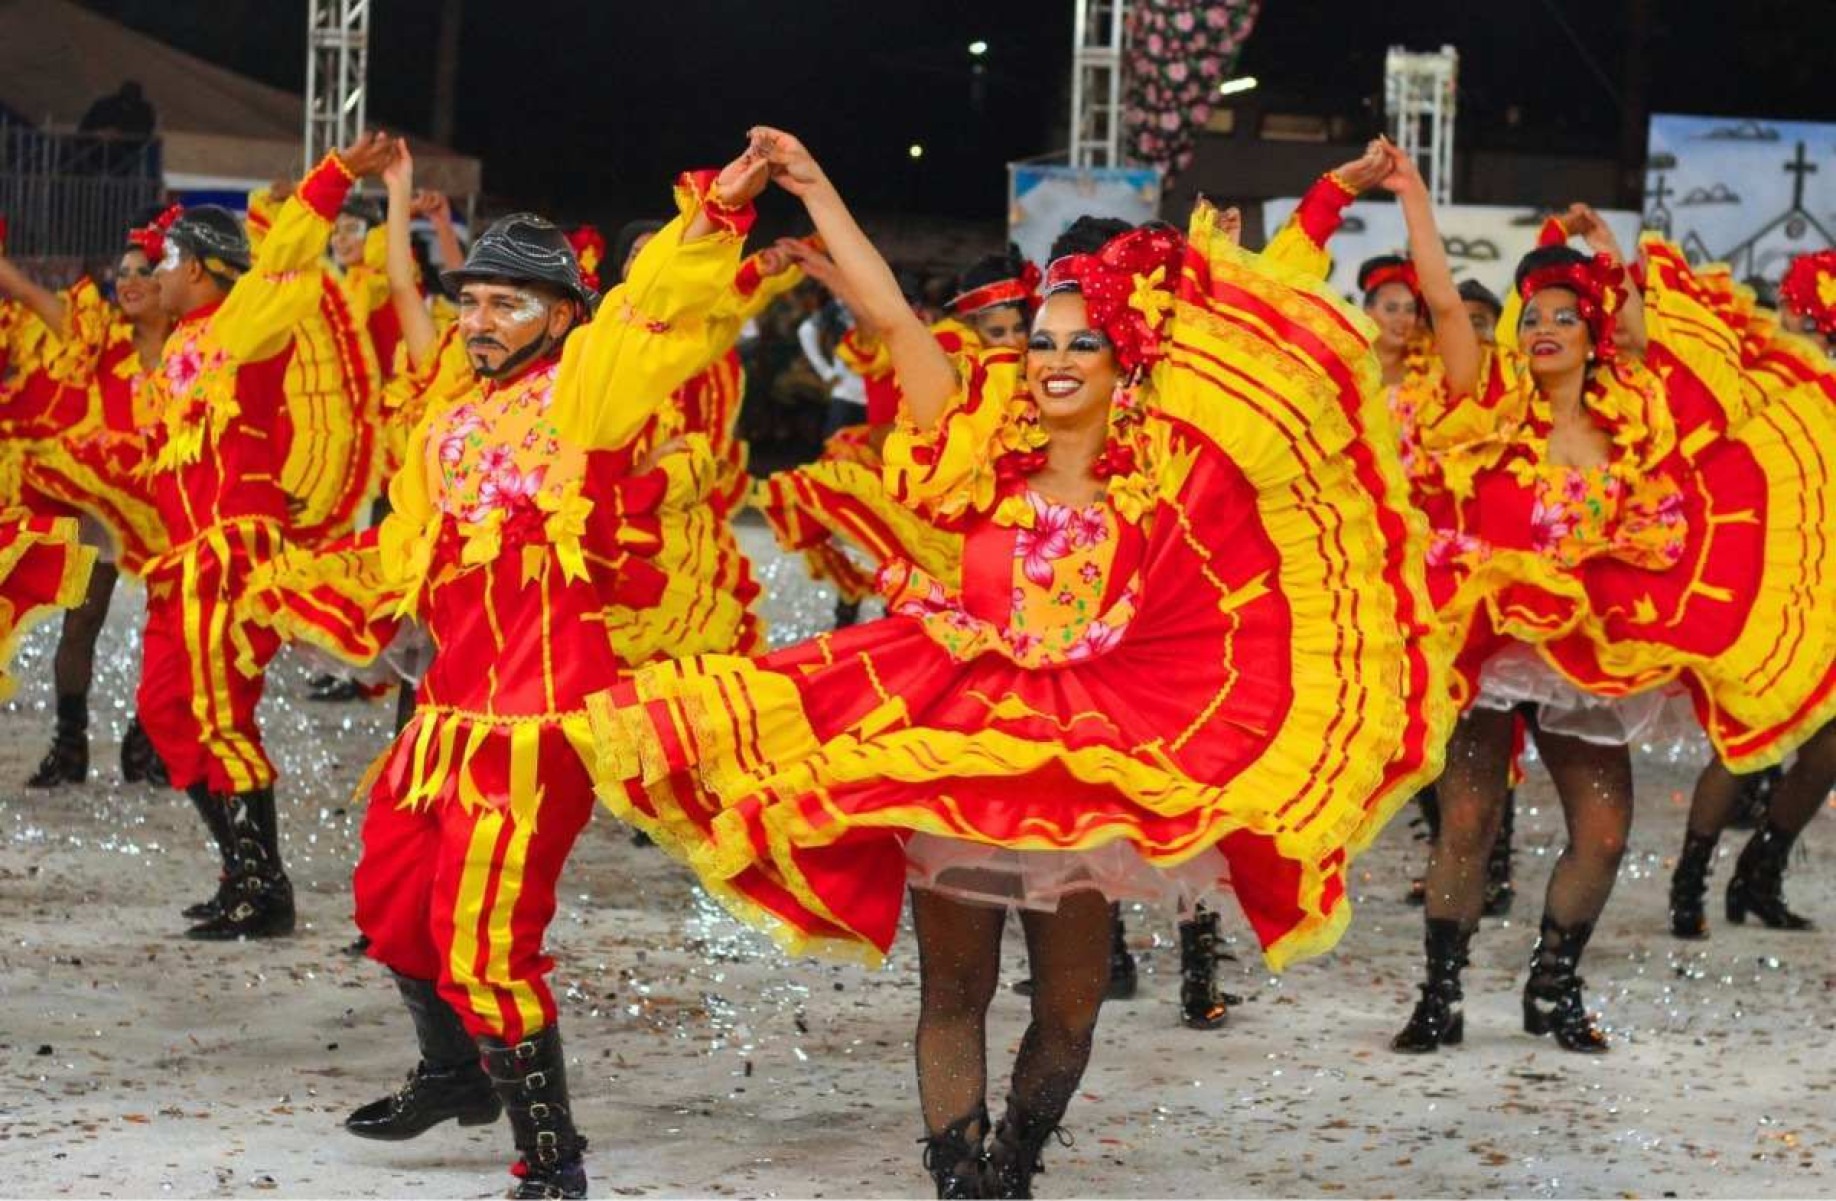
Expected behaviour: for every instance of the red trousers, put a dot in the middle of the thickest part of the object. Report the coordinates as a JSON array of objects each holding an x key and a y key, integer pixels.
[
  {"x": 195, "y": 703},
  {"x": 462, "y": 894}
]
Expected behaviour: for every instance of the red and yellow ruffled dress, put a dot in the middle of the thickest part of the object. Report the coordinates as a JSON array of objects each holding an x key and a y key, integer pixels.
[
  {"x": 43, "y": 568},
  {"x": 1216, "y": 676},
  {"x": 841, "y": 498},
  {"x": 100, "y": 467},
  {"x": 1693, "y": 560},
  {"x": 530, "y": 542}
]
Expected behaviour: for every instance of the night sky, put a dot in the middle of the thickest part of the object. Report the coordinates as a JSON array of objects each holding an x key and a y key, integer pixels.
[{"x": 585, "y": 108}]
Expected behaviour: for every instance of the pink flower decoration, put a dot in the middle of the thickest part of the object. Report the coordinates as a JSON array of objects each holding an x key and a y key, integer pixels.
[{"x": 1048, "y": 540}]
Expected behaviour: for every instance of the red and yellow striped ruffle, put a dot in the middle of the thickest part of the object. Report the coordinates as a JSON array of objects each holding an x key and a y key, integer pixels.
[{"x": 43, "y": 568}]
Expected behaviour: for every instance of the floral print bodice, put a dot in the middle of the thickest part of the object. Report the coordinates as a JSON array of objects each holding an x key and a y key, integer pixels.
[
  {"x": 1582, "y": 513},
  {"x": 1062, "y": 560},
  {"x": 498, "y": 453}
]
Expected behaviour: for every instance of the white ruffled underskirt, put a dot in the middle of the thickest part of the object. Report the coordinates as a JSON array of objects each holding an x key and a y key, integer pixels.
[
  {"x": 1518, "y": 675},
  {"x": 1002, "y": 877}
]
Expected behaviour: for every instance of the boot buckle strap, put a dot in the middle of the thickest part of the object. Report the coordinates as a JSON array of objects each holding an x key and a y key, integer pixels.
[
  {"x": 525, "y": 1049},
  {"x": 540, "y": 1110},
  {"x": 535, "y": 1080}
]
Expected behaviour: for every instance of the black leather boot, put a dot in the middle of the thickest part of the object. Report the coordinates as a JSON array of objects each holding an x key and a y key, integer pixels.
[
  {"x": 1201, "y": 1005},
  {"x": 1758, "y": 883},
  {"x": 1438, "y": 1020},
  {"x": 1689, "y": 885},
  {"x": 260, "y": 900},
  {"x": 333, "y": 689},
  {"x": 216, "y": 820},
  {"x": 1014, "y": 1152},
  {"x": 448, "y": 1084},
  {"x": 956, "y": 1160},
  {"x": 1755, "y": 798},
  {"x": 531, "y": 1080},
  {"x": 1552, "y": 996},
  {"x": 67, "y": 762},
  {"x": 140, "y": 763},
  {"x": 847, "y": 613},
  {"x": 1499, "y": 891}
]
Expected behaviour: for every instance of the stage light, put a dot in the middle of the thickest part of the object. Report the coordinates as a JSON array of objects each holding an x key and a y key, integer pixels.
[
  {"x": 1231, "y": 87},
  {"x": 978, "y": 48},
  {"x": 916, "y": 150}
]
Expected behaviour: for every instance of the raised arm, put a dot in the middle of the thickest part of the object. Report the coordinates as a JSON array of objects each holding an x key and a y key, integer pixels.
[
  {"x": 1459, "y": 347},
  {"x": 1301, "y": 241},
  {"x": 926, "y": 375},
  {"x": 1582, "y": 221},
  {"x": 47, "y": 305},
  {"x": 418, "y": 332}
]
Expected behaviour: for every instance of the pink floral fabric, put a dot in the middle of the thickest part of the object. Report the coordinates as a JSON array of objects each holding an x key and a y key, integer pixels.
[
  {"x": 498, "y": 453},
  {"x": 1178, "y": 52}
]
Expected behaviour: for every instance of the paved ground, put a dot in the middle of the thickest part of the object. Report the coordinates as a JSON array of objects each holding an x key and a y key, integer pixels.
[{"x": 137, "y": 1064}]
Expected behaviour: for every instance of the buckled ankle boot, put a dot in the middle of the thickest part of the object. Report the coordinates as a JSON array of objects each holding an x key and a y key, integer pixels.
[
  {"x": 1758, "y": 883},
  {"x": 1689, "y": 885},
  {"x": 1755, "y": 798},
  {"x": 67, "y": 762},
  {"x": 1552, "y": 995},
  {"x": 449, "y": 1083},
  {"x": 957, "y": 1162},
  {"x": 140, "y": 763},
  {"x": 1438, "y": 1019},
  {"x": 1499, "y": 891},
  {"x": 260, "y": 900},
  {"x": 1201, "y": 1005},
  {"x": 216, "y": 820},
  {"x": 531, "y": 1080},
  {"x": 1014, "y": 1151}
]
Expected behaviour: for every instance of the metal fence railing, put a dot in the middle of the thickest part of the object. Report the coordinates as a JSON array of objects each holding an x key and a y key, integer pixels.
[{"x": 68, "y": 195}]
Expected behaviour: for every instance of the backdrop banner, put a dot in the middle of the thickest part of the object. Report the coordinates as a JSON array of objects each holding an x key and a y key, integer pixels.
[
  {"x": 1042, "y": 202},
  {"x": 1750, "y": 193}
]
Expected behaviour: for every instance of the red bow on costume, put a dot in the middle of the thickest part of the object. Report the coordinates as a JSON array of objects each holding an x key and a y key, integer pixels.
[
  {"x": 590, "y": 248},
  {"x": 150, "y": 239},
  {"x": 1128, "y": 288},
  {"x": 1599, "y": 287},
  {"x": 1022, "y": 290},
  {"x": 1809, "y": 287}
]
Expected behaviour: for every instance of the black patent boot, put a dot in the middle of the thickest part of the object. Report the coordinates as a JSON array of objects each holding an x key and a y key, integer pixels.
[
  {"x": 531, "y": 1080},
  {"x": 140, "y": 763},
  {"x": 1758, "y": 883},
  {"x": 1499, "y": 891},
  {"x": 1552, "y": 996},
  {"x": 67, "y": 762},
  {"x": 259, "y": 903},
  {"x": 1438, "y": 1020},
  {"x": 956, "y": 1160},
  {"x": 1124, "y": 977},
  {"x": 1201, "y": 1005},
  {"x": 1014, "y": 1153},
  {"x": 1755, "y": 798},
  {"x": 449, "y": 1084},
  {"x": 216, "y": 820},
  {"x": 1689, "y": 885}
]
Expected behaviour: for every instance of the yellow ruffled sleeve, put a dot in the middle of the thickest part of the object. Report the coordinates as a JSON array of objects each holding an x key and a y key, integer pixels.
[
  {"x": 650, "y": 335},
  {"x": 282, "y": 286},
  {"x": 951, "y": 469}
]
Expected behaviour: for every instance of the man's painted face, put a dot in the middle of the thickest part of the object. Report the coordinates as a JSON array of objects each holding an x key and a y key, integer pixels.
[{"x": 505, "y": 325}]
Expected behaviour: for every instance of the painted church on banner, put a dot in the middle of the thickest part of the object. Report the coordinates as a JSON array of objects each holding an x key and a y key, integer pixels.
[{"x": 1748, "y": 193}]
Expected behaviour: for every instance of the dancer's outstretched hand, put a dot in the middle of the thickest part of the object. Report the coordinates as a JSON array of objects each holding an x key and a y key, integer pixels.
[
  {"x": 742, "y": 179},
  {"x": 369, "y": 154},
  {"x": 1367, "y": 170},
  {"x": 1403, "y": 175},
  {"x": 398, "y": 176},
  {"x": 793, "y": 168}
]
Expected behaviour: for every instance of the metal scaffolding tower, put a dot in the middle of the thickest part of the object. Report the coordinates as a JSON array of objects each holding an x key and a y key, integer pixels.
[
  {"x": 1419, "y": 102},
  {"x": 1096, "y": 83},
  {"x": 337, "y": 64}
]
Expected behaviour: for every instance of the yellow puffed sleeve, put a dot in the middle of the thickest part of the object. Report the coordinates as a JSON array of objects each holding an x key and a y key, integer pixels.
[
  {"x": 650, "y": 335},
  {"x": 282, "y": 287}
]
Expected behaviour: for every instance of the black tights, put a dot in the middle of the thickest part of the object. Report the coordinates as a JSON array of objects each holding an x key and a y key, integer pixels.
[
  {"x": 1595, "y": 786},
  {"x": 1800, "y": 792},
  {"x": 959, "y": 965},
  {"x": 75, "y": 663}
]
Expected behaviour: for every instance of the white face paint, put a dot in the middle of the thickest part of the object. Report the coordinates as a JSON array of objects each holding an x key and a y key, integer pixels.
[
  {"x": 172, "y": 256},
  {"x": 528, "y": 307}
]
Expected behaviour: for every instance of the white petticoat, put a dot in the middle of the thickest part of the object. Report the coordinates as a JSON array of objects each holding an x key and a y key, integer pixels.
[
  {"x": 988, "y": 875},
  {"x": 1517, "y": 675}
]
